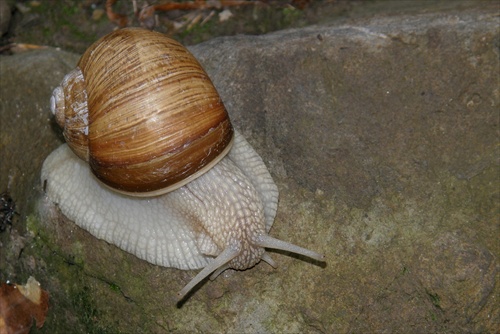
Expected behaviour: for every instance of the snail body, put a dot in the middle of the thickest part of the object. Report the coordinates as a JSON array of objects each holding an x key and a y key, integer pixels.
[{"x": 196, "y": 197}]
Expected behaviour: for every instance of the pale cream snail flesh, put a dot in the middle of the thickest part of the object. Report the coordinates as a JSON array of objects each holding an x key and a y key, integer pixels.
[{"x": 152, "y": 163}]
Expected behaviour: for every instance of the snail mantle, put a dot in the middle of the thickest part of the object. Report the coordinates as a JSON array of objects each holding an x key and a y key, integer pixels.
[{"x": 149, "y": 140}]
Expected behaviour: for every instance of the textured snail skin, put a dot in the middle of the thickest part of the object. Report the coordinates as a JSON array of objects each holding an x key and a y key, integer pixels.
[
  {"x": 218, "y": 221},
  {"x": 152, "y": 164}
]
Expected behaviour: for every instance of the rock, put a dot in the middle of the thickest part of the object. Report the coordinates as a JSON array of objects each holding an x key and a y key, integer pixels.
[{"x": 382, "y": 137}]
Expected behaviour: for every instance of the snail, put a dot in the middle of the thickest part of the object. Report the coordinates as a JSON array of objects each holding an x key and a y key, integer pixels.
[{"x": 152, "y": 163}]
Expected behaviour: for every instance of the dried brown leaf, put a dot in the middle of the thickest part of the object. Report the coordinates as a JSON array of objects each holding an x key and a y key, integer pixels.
[
  {"x": 20, "y": 304},
  {"x": 119, "y": 19}
]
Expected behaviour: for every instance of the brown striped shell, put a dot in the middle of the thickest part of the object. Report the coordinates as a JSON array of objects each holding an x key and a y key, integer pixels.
[{"x": 143, "y": 112}]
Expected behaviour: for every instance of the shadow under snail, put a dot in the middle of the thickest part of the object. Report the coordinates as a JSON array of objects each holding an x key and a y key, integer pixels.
[{"x": 152, "y": 163}]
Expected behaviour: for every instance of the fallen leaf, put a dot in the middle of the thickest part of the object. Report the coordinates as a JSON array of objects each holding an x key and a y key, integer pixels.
[
  {"x": 225, "y": 15},
  {"x": 20, "y": 304}
]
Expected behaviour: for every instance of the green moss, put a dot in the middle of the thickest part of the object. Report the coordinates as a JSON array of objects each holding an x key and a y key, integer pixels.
[
  {"x": 68, "y": 21},
  {"x": 70, "y": 10},
  {"x": 434, "y": 297},
  {"x": 63, "y": 275},
  {"x": 32, "y": 225},
  {"x": 405, "y": 271},
  {"x": 291, "y": 15},
  {"x": 82, "y": 301},
  {"x": 114, "y": 287},
  {"x": 43, "y": 240},
  {"x": 198, "y": 32}
]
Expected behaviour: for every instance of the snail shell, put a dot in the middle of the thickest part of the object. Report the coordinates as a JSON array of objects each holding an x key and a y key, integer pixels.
[
  {"x": 137, "y": 108},
  {"x": 143, "y": 112}
]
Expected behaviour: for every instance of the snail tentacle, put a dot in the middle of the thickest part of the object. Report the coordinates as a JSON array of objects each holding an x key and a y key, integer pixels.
[
  {"x": 266, "y": 258},
  {"x": 270, "y": 242},
  {"x": 227, "y": 255},
  {"x": 219, "y": 271}
]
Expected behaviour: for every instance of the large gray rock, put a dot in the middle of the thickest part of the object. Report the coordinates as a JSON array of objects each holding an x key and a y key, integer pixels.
[{"x": 382, "y": 136}]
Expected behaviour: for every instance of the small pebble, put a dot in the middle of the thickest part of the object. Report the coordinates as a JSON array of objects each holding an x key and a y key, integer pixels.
[{"x": 97, "y": 14}]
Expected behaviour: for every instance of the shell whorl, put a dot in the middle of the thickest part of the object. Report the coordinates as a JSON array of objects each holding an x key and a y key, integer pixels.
[
  {"x": 143, "y": 112},
  {"x": 69, "y": 106}
]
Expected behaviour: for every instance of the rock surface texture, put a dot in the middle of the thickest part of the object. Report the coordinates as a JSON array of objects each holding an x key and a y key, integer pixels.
[{"x": 382, "y": 135}]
